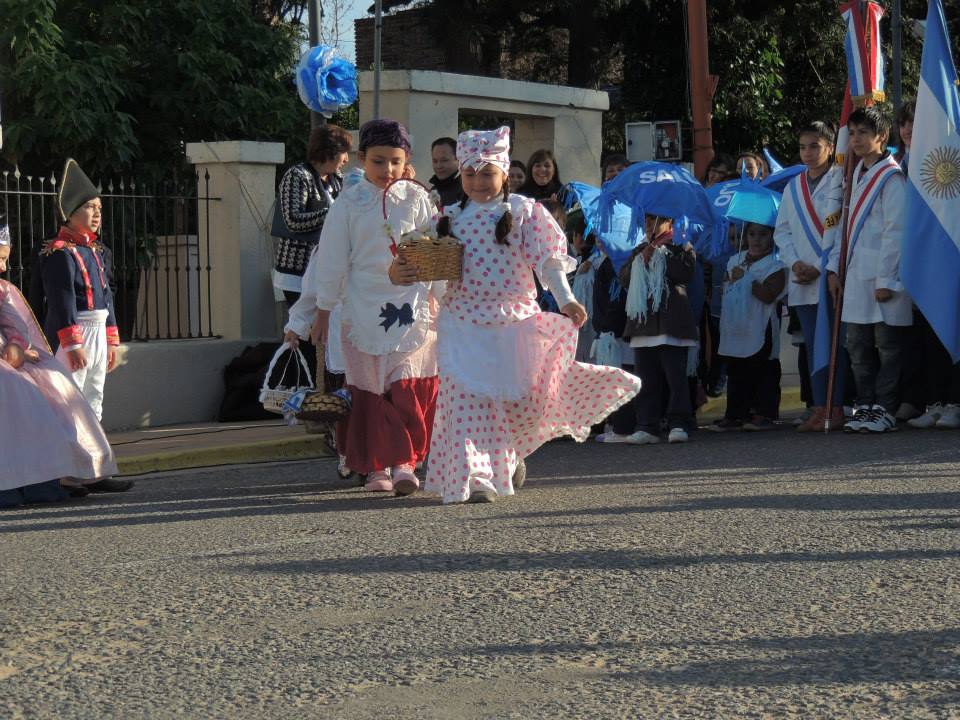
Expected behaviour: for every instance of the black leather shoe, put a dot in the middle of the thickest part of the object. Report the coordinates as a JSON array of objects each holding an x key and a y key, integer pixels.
[
  {"x": 77, "y": 491},
  {"x": 109, "y": 485}
]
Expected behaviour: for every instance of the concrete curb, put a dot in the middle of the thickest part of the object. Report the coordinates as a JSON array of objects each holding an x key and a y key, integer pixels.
[
  {"x": 308, "y": 447},
  {"x": 301, "y": 448}
]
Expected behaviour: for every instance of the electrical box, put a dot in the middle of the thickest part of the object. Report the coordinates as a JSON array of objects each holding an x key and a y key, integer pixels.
[
  {"x": 639, "y": 141},
  {"x": 658, "y": 140}
]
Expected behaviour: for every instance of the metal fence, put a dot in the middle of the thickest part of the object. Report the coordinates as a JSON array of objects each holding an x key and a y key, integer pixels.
[{"x": 156, "y": 237}]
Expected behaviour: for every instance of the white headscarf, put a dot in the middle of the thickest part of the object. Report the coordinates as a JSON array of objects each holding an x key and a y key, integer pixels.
[{"x": 476, "y": 148}]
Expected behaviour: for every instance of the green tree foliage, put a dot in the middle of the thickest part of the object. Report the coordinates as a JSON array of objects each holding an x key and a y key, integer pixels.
[{"x": 121, "y": 84}]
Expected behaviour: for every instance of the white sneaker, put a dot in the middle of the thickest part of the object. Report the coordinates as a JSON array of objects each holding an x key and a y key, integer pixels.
[
  {"x": 641, "y": 437},
  {"x": 907, "y": 411},
  {"x": 342, "y": 469},
  {"x": 861, "y": 414},
  {"x": 677, "y": 435},
  {"x": 928, "y": 419},
  {"x": 612, "y": 437},
  {"x": 880, "y": 421},
  {"x": 950, "y": 419}
]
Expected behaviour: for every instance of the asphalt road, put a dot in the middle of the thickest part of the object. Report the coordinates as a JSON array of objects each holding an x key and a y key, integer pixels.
[{"x": 773, "y": 576}]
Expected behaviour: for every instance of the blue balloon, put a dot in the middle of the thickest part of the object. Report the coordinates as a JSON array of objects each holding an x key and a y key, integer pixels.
[{"x": 326, "y": 82}]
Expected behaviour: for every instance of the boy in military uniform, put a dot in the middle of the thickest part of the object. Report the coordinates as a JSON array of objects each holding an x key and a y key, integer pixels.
[{"x": 79, "y": 322}]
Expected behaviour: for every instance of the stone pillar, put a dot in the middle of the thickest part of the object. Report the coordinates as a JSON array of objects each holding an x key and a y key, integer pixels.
[{"x": 243, "y": 177}]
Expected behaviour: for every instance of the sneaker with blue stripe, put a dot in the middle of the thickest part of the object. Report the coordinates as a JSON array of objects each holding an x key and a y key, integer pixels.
[{"x": 861, "y": 414}]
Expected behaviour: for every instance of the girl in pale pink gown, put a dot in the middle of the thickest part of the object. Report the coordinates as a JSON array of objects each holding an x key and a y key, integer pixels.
[{"x": 48, "y": 431}]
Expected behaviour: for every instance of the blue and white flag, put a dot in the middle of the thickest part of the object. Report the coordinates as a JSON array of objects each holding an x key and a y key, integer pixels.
[{"x": 930, "y": 263}]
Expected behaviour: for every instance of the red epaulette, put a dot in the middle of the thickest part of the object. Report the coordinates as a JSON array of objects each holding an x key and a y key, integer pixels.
[{"x": 52, "y": 245}]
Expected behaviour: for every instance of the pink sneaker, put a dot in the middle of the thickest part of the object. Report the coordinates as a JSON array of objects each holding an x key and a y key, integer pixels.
[
  {"x": 405, "y": 482},
  {"x": 379, "y": 481}
]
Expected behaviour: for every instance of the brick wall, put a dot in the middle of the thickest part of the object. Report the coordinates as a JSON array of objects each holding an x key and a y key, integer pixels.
[{"x": 408, "y": 43}]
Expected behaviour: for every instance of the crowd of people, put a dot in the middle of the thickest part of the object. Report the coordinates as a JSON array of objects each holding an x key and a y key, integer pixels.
[
  {"x": 688, "y": 327},
  {"x": 543, "y": 336}
]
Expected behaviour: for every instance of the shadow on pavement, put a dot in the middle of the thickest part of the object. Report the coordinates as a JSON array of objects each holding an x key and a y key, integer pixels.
[
  {"x": 898, "y": 657},
  {"x": 810, "y": 502},
  {"x": 601, "y": 560}
]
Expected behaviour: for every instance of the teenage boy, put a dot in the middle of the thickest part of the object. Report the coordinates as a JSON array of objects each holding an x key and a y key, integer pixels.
[{"x": 876, "y": 307}]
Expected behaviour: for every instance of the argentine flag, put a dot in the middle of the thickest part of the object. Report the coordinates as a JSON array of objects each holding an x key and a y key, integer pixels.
[{"x": 930, "y": 262}]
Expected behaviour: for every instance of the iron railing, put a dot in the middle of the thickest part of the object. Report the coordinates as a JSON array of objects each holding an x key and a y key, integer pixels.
[{"x": 158, "y": 238}]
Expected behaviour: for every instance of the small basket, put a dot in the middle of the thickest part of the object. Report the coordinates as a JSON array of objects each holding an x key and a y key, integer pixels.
[
  {"x": 319, "y": 405},
  {"x": 324, "y": 407},
  {"x": 435, "y": 258},
  {"x": 274, "y": 399}
]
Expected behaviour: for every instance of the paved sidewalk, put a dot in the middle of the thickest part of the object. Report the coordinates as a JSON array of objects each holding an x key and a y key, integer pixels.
[
  {"x": 210, "y": 444},
  {"x": 199, "y": 445}
]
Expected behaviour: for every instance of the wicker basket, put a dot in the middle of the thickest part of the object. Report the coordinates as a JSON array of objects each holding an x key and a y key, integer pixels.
[
  {"x": 323, "y": 407},
  {"x": 319, "y": 405},
  {"x": 274, "y": 399},
  {"x": 435, "y": 258}
]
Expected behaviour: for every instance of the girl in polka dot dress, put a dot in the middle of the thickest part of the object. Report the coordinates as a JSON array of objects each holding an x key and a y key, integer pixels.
[{"x": 508, "y": 379}]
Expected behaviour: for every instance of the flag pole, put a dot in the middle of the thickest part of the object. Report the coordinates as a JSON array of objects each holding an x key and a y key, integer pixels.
[{"x": 849, "y": 166}]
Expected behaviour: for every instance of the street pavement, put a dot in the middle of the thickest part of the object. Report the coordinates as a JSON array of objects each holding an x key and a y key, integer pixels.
[{"x": 739, "y": 576}]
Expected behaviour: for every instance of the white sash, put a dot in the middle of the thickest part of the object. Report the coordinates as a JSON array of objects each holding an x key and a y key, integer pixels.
[{"x": 865, "y": 194}]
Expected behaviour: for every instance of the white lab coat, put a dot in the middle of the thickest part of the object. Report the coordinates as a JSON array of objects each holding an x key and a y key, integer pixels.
[
  {"x": 792, "y": 241},
  {"x": 874, "y": 262}
]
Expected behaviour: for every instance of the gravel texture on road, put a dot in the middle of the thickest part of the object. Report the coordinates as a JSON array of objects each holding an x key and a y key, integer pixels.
[{"x": 781, "y": 576}]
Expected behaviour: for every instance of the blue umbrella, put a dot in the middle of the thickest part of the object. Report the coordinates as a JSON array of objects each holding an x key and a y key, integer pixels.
[
  {"x": 745, "y": 201},
  {"x": 778, "y": 180},
  {"x": 737, "y": 201},
  {"x": 775, "y": 166},
  {"x": 617, "y": 241},
  {"x": 655, "y": 188}
]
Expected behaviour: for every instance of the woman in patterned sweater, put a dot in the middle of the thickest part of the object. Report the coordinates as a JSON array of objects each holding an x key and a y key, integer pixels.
[{"x": 307, "y": 190}]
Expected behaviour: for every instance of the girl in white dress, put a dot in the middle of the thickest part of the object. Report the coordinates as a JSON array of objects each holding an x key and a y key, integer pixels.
[{"x": 508, "y": 378}]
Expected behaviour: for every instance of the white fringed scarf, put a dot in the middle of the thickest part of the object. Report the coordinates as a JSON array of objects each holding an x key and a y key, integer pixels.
[{"x": 648, "y": 284}]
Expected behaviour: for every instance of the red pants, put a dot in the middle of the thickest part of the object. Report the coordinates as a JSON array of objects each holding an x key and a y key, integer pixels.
[{"x": 392, "y": 429}]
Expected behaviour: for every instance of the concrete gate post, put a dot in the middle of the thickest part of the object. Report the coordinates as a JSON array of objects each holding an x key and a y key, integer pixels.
[{"x": 243, "y": 176}]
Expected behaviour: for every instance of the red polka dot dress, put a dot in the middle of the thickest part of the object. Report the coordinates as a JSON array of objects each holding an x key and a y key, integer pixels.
[{"x": 508, "y": 378}]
